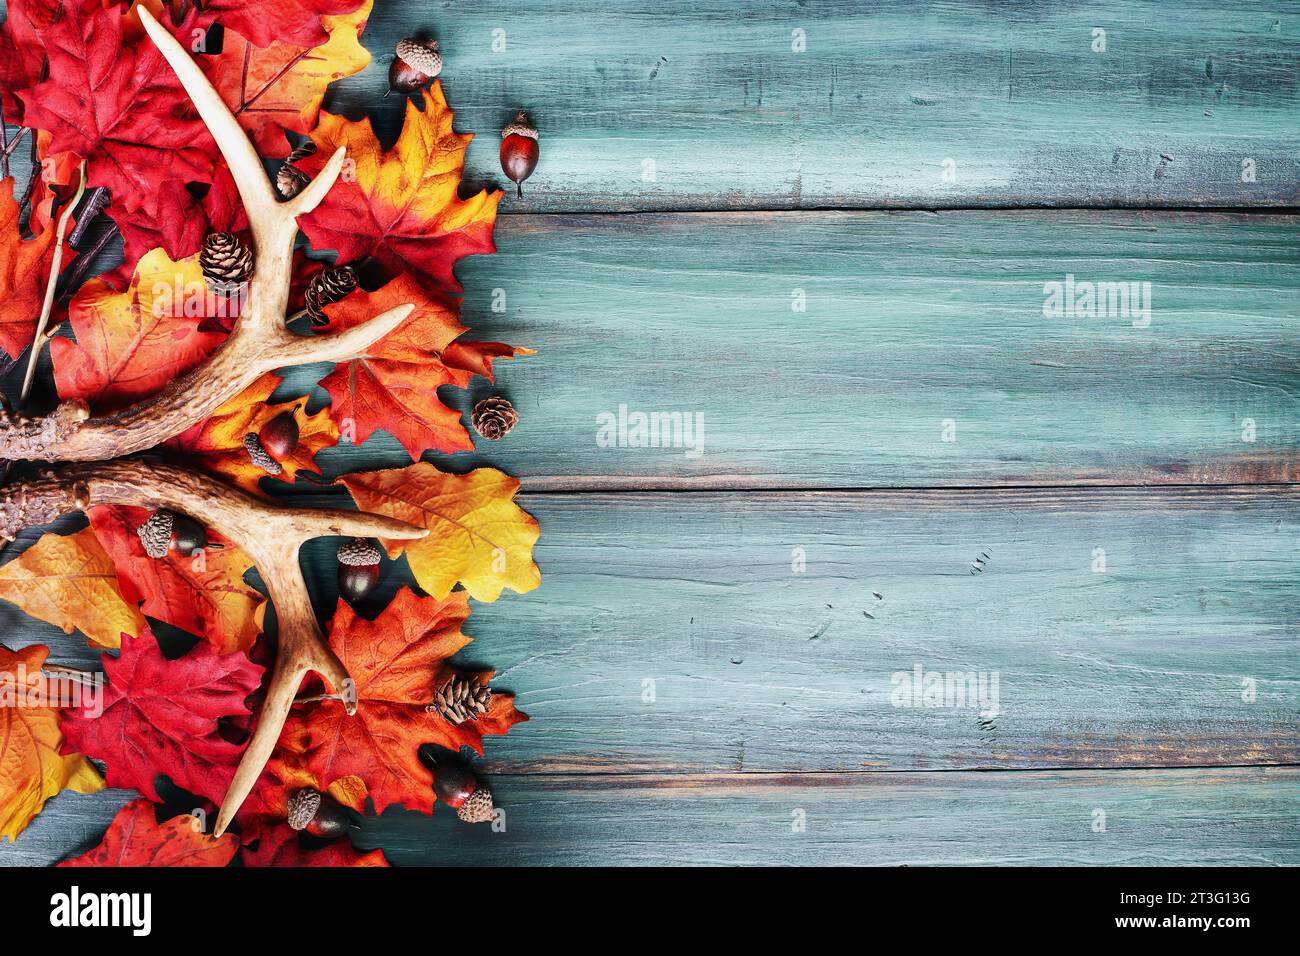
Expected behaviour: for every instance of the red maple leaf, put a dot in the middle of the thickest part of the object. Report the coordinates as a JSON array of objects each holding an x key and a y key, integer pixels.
[
  {"x": 136, "y": 838},
  {"x": 160, "y": 717},
  {"x": 205, "y": 594},
  {"x": 397, "y": 661},
  {"x": 401, "y": 206},
  {"x": 281, "y": 846},
  {"x": 394, "y": 386},
  {"x": 289, "y": 21},
  {"x": 122, "y": 109}
]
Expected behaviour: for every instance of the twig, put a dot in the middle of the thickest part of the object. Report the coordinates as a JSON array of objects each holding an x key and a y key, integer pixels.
[
  {"x": 4, "y": 141},
  {"x": 48, "y": 306},
  {"x": 81, "y": 265},
  {"x": 26, "y": 198}
]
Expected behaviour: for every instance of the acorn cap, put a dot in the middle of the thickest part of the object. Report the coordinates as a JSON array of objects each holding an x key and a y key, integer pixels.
[
  {"x": 257, "y": 454},
  {"x": 520, "y": 127},
  {"x": 156, "y": 534},
  {"x": 302, "y": 808},
  {"x": 477, "y": 807},
  {"x": 358, "y": 553},
  {"x": 421, "y": 54}
]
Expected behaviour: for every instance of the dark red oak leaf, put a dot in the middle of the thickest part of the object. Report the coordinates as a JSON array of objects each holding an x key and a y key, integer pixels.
[
  {"x": 282, "y": 846},
  {"x": 122, "y": 109},
  {"x": 160, "y": 717}
]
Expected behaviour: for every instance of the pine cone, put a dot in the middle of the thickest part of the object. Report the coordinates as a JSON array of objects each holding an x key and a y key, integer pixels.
[
  {"x": 477, "y": 807},
  {"x": 290, "y": 180},
  {"x": 156, "y": 534},
  {"x": 226, "y": 262},
  {"x": 494, "y": 417},
  {"x": 303, "y": 805},
  {"x": 358, "y": 553},
  {"x": 462, "y": 699},
  {"x": 326, "y": 288},
  {"x": 259, "y": 456}
]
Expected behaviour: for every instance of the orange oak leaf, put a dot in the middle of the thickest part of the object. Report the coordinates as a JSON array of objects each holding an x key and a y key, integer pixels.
[
  {"x": 132, "y": 343},
  {"x": 397, "y": 661},
  {"x": 282, "y": 846},
  {"x": 136, "y": 838},
  {"x": 218, "y": 442},
  {"x": 204, "y": 593},
  {"x": 70, "y": 581},
  {"x": 31, "y": 767},
  {"x": 24, "y": 269},
  {"x": 394, "y": 386},
  {"x": 477, "y": 536},
  {"x": 122, "y": 109},
  {"x": 278, "y": 87},
  {"x": 401, "y": 205},
  {"x": 159, "y": 716}
]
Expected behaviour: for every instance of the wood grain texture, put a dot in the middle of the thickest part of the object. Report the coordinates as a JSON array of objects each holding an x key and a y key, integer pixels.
[
  {"x": 732, "y": 118},
  {"x": 911, "y": 319},
  {"x": 1230, "y": 817},
  {"x": 867, "y": 116}
]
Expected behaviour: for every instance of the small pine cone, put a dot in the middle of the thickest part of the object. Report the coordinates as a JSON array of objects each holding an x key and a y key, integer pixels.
[
  {"x": 156, "y": 534},
  {"x": 226, "y": 262},
  {"x": 290, "y": 180},
  {"x": 477, "y": 807},
  {"x": 303, "y": 806},
  {"x": 358, "y": 553},
  {"x": 326, "y": 288},
  {"x": 494, "y": 417},
  {"x": 462, "y": 699},
  {"x": 259, "y": 456}
]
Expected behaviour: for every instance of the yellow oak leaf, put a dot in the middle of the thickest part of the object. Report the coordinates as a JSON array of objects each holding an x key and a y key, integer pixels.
[
  {"x": 478, "y": 536},
  {"x": 31, "y": 768},
  {"x": 70, "y": 581}
]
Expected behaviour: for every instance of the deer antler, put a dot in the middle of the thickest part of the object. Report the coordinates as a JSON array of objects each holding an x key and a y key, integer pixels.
[
  {"x": 260, "y": 341},
  {"x": 269, "y": 534}
]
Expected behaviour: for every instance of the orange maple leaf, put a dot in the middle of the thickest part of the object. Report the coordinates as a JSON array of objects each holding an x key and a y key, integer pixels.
[
  {"x": 394, "y": 386},
  {"x": 31, "y": 768},
  {"x": 203, "y": 594},
  {"x": 218, "y": 442},
  {"x": 477, "y": 536},
  {"x": 401, "y": 206},
  {"x": 24, "y": 268},
  {"x": 397, "y": 661},
  {"x": 280, "y": 87},
  {"x": 136, "y": 838},
  {"x": 132, "y": 343},
  {"x": 70, "y": 581}
]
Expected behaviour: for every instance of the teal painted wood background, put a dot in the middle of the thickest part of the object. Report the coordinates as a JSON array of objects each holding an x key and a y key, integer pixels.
[{"x": 711, "y": 656}]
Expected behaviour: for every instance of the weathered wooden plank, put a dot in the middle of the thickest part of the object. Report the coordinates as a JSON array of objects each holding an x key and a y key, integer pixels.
[
  {"x": 676, "y": 632},
  {"x": 1224, "y": 817},
  {"x": 912, "y": 320},
  {"x": 884, "y": 97}
]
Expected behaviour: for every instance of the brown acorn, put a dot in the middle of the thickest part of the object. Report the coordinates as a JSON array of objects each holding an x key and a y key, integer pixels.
[
  {"x": 455, "y": 784},
  {"x": 279, "y": 436},
  {"x": 166, "y": 530},
  {"x": 358, "y": 568},
  {"x": 188, "y": 535},
  {"x": 416, "y": 64},
  {"x": 519, "y": 150},
  {"x": 317, "y": 813}
]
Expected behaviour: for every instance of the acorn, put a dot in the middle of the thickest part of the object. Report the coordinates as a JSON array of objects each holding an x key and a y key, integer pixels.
[
  {"x": 519, "y": 150},
  {"x": 417, "y": 63},
  {"x": 258, "y": 456},
  {"x": 167, "y": 530},
  {"x": 455, "y": 784},
  {"x": 358, "y": 568},
  {"x": 279, "y": 436},
  {"x": 317, "y": 813}
]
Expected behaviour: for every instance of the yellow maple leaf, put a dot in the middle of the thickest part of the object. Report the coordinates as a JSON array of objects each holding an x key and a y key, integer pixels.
[
  {"x": 478, "y": 536},
  {"x": 70, "y": 581},
  {"x": 31, "y": 768}
]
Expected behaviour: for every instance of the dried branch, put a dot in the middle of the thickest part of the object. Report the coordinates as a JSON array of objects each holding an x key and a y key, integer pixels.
[
  {"x": 260, "y": 342},
  {"x": 271, "y": 535}
]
